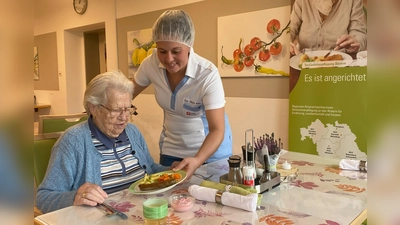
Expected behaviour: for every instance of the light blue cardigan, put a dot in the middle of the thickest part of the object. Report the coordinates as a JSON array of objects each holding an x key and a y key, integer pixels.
[{"x": 74, "y": 160}]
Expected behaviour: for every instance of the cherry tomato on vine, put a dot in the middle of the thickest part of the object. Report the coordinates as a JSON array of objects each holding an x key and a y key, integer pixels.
[
  {"x": 276, "y": 48},
  {"x": 273, "y": 26},
  {"x": 249, "y": 61},
  {"x": 236, "y": 54},
  {"x": 238, "y": 66},
  {"x": 256, "y": 43},
  {"x": 264, "y": 54},
  {"x": 248, "y": 50}
]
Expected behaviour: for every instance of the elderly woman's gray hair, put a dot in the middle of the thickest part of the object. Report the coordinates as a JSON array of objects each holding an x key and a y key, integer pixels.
[
  {"x": 174, "y": 25},
  {"x": 96, "y": 91}
]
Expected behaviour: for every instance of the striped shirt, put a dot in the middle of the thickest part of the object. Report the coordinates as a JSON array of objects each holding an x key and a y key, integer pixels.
[{"x": 119, "y": 167}]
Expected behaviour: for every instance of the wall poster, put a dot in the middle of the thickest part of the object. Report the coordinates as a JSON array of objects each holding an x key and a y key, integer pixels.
[{"x": 328, "y": 85}]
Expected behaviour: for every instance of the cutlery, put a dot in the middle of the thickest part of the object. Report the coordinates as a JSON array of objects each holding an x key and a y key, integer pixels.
[
  {"x": 327, "y": 54},
  {"x": 109, "y": 210},
  {"x": 202, "y": 176}
]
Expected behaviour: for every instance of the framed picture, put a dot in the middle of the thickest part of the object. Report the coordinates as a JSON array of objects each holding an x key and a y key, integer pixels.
[
  {"x": 255, "y": 43},
  {"x": 35, "y": 64},
  {"x": 140, "y": 46}
]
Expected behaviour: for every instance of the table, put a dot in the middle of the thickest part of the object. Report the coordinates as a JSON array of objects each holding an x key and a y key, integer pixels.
[{"x": 320, "y": 194}]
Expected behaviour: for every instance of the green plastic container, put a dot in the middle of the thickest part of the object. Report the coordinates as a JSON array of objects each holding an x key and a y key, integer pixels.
[{"x": 155, "y": 208}]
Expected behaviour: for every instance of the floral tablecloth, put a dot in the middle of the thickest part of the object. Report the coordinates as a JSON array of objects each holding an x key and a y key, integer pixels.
[{"x": 321, "y": 194}]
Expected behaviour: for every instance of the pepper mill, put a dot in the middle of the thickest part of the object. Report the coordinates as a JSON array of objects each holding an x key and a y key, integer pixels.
[{"x": 235, "y": 173}]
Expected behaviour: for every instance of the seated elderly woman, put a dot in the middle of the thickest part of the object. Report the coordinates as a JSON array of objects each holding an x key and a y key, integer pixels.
[{"x": 101, "y": 155}]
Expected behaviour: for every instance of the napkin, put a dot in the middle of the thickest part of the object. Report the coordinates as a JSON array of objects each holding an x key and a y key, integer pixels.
[
  {"x": 231, "y": 189},
  {"x": 225, "y": 187},
  {"x": 351, "y": 164},
  {"x": 248, "y": 203}
]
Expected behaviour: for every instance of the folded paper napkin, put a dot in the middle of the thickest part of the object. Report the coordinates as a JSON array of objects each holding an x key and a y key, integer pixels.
[
  {"x": 248, "y": 203},
  {"x": 351, "y": 164},
  {"x": 231, "y": 189}
]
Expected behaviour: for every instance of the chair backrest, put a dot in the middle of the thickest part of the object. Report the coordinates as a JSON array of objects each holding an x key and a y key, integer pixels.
[
  {"x": 43, "y": 143},
  {"x": 59, "y": 123}
]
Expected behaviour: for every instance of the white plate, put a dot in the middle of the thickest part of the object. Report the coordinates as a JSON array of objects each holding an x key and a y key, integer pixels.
[
  {"x": 134, "y": 188},
  {"x": 295, "y": 60},
  {"x": 362, "y": 58}
]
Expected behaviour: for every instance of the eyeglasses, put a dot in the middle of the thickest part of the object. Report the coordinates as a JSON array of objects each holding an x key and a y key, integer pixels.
[{"x": 117, "y": 111}]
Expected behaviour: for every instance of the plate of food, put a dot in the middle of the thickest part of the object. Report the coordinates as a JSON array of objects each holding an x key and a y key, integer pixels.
[
  {"x": 158, "y": 182},
  {"x": 319, "y": 56}
]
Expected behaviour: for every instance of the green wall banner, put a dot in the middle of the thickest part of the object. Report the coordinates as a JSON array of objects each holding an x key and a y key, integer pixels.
[{"x": 328, "y": 112}]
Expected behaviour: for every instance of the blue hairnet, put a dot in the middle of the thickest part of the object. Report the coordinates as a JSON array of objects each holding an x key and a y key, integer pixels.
[{"x": 174, "y": 25}]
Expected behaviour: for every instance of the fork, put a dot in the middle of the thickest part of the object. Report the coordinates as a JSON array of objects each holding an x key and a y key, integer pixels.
[
  {"x": 202, "y": 176},
  {"x": 109, "y": 210}
]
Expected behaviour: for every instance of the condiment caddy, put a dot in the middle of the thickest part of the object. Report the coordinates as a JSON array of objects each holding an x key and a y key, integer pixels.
[{"x": 246, "y": 176}]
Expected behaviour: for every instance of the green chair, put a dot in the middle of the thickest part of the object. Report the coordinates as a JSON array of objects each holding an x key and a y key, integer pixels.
[
  {"x": 59, "y": 123},
  {"x": 43, "y": 143}
]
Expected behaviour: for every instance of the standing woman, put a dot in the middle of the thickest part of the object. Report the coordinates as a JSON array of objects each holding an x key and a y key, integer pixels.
[{"x": 189, "y": 89}]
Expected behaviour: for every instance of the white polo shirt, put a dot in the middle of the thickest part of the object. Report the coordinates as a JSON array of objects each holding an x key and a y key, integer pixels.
[{"x": 185, "y": 125}]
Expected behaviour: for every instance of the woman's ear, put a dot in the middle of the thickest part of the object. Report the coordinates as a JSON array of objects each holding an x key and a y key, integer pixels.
[{"x": 92, "y": 108}]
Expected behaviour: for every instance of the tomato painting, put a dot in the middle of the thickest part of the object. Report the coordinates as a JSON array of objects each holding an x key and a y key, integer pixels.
[
  {"x": 273, "y": 26},
  {"x": 248, "y": 50},
  {"x": 256, "y": 52},
  {"x": 276, "y": 48},
  {"x": 256, "y": 43},
  {"x": 249, "y": 61},
  {"x": 238, "y": 66},
  {"x": 236, "y": 54},
  {"x": 264, "y": 54}
]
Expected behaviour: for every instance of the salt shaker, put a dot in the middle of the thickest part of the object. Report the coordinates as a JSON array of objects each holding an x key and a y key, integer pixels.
[{"x": 248, "y": 175}]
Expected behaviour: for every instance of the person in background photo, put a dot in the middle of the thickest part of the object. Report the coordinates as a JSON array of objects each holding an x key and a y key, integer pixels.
[
  {"x": 189, "y": 89},
  {"x": 102, "y": 155},
  {"x": 328, "y": 25}
]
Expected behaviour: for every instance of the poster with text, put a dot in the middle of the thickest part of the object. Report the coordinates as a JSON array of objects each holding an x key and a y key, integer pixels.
[
  {"x": 328, "y": 112},
  {"x": 328, "y": 79}
]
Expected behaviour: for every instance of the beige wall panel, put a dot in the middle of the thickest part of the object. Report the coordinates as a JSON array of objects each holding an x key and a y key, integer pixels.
[{"x": 204, "y": 15}]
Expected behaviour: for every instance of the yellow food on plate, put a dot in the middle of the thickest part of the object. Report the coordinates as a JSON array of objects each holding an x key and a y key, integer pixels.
[{"x": 159, "y": 180}]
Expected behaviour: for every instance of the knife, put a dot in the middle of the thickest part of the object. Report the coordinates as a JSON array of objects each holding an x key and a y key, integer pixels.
[{"x": 111, "y": 210}]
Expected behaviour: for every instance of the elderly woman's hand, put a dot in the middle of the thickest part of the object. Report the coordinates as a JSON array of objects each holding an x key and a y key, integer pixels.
[
  {"x": 89, "y": 194},
  {"x": 348, "y": 42}
]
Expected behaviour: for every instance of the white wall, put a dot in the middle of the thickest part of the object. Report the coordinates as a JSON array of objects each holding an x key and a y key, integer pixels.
[
  {"x": 60, "y": 17},
  {"x": 127, "y": 8},
  {"x": 260, "y": 114}
]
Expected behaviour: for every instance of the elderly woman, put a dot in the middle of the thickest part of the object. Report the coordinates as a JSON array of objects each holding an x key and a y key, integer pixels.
[
  {"x": 189, "y": 89},
  {"x": 328, "y": 24},
  {"x": 101, "y": 155}
]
